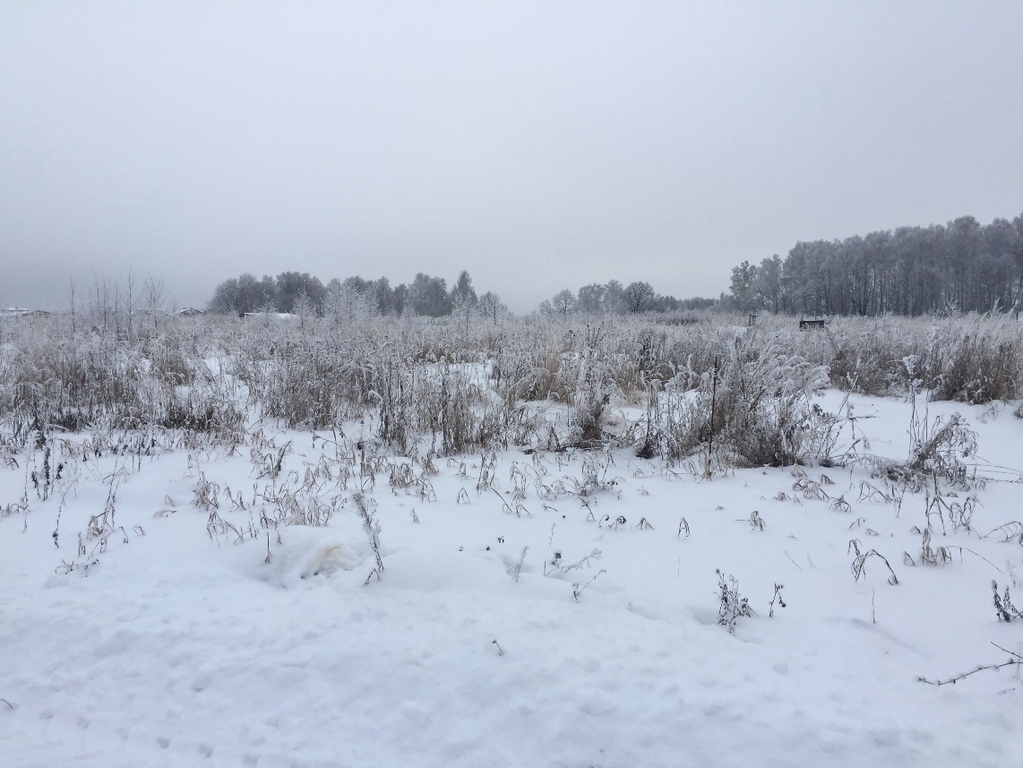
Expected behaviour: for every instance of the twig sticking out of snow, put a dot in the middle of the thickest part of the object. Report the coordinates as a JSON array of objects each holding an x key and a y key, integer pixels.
[{"x": 1017, "y": 661}]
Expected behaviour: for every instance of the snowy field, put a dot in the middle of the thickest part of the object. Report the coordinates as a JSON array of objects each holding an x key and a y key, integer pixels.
[{"x": 163, "y": 605}]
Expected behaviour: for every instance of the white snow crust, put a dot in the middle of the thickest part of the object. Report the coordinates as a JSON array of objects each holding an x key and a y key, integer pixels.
[{"x": 178, "y": 643}]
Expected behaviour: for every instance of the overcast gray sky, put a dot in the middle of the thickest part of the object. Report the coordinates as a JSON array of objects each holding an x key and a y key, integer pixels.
[{"x": 540, "y": 145}]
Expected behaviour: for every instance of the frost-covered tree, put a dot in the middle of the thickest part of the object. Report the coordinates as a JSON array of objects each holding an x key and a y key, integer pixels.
[
  {"x": 962, "y": 266},
  {"x": 345, "y": 304},
  {"x": 769, "y": 283},
  {"x": 563, "y": 303},
  {"x": 383, "y": 295},
  {"x": 491, "y": 308},
  {"x": 638, "y": 296},
  {"x": 591, "y": 299},
  {"x": 399, "y": 299},
  {"x": 306, "y": 311},
  {"x": 291, "y": 285},
  {"x": 744, "y": 287},
  {"x": 462, "y": 291},
  {"x": 429, "y": 296},
  {"x": 243, "y": 294},
  {"x": 614, "y": 298}
]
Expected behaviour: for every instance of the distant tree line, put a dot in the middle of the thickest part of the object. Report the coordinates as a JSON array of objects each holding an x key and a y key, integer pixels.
[
  {"x": 353, "y": 298},
  {"x": 961, "y": 267},
  {"x": 613, "y": 298}
]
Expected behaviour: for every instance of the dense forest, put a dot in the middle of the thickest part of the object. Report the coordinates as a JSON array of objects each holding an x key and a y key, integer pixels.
[
  {"x": 614, "y": 298},
  {"x": 353, "y": 298},
  {"x": 356, "y": 298},
  {"x": 963, "y": 266},
  {"x": 960, "y": 267}
]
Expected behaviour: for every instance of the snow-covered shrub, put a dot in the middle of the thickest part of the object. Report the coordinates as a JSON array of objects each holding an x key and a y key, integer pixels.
[
  {"x": 469, "y": 423},
  {"x": 974, "y": 359},
  {"x": 377, "y": 375},
  {"x": 682, "y": 420},
  {"x": 731, "y": 605},
  {"x": 366, "y": 508},
  {"x": 977, "y": 367},
  {"x": 869, "y": 360},
  {"x": 1004, "y": 608},
  {"x": 469, "y": 388},
  {"x": 763, "y": 409},
  {"x": 937, "y": 452},
  {"x": 529, "y": 364},
  {"x": 858, "y": 566},
  {"x": 55, "y": 377}
]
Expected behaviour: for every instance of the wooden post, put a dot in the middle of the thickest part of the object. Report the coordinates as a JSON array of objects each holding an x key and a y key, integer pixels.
[{"x": 713, "y": 403}]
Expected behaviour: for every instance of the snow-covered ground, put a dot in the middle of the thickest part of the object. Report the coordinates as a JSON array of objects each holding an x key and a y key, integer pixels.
[{"x": 543, "y": 610}]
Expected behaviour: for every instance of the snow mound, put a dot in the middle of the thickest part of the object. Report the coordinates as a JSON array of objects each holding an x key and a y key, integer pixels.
[{"x": 302, "y": 554}]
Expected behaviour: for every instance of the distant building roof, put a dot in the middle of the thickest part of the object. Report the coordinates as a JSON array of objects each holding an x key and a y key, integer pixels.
[{"x": 22, "y": 312}]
